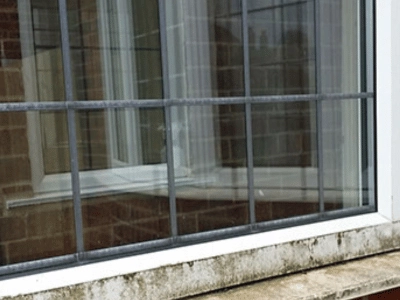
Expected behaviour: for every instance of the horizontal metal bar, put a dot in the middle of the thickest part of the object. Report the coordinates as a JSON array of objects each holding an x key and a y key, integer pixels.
[
  {"x": 32, "y": 106},
  {"x": 214, "y": 234},
  {"x": 266, "y": 8},
  {"x": 150, "y": 103},
  {"x": 79, "y": 105},
  {"x": 36, "y": 265},
  {"x": 136, "y": 248},
  {"x": 311, "y": 218},
  {"x": 350, "y": 211}
]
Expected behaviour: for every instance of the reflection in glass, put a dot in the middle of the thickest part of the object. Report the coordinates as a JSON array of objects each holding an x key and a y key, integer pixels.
[
  {"x": 125, "y": 198},
  {"x": 36, "y": 212},
  {"x": 213, "y": 193},
  {"x": 282, "y": 61},
  {"x": 115, "y": 47},
  {"x": 116, "y": 55},
  {"x": 341, "y": 48},
  {"x": 205, "y": 58},
  {"x": 347, "y": 153},
  {"x": 285, "y": 164},
  {"x": 281, "y": 48},
  {"x": 205, "y": 51},
  {"x": 30, "y": 58}
]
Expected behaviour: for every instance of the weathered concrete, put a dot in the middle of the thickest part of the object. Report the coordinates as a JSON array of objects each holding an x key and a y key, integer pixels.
[
  {"x": 345, "y": 281},
  {"x": 204, "y": 275}
]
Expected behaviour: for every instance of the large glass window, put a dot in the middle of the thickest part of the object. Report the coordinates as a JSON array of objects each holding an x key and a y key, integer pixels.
[{"x": 134, "y": 125}]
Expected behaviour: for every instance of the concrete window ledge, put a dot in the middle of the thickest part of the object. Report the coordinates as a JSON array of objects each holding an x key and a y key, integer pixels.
[
  {"x": 198, "y": 269},
  {"x": 345, "y": 281}
]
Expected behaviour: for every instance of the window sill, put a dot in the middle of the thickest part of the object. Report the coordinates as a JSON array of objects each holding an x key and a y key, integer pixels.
[
  {"x": 262, "y": 255},
  {"x": 349, "y": 280}
]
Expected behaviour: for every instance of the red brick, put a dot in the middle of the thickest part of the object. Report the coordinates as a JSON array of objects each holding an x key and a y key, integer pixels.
[
  {"x": 12, "y": 228},
  {"x": 3, "y": 255},
  {"x": 3, "y": 90},
  {"x": 221, "y": 217},
  {"x": 286, "y": 209},
  {"x": 19, "y": 141},
  {"x": 5, "y": 142},
  {"x": 187, "y": 205},
  {"x": 96, "y": 215},
  {"x": 8, "y": 5},
  {"x": 99, "y": 238},
  {"x": 102, "y": 213},
  {"x": 17, "y": 119},
  {"x": 9, "y": 16},
  {"x": 263, "y": 211},
  {"x": 14, "y": 83},
  {"x": 48, "y": 223},
  {"x": 142, "y": 231},
  {"x": 4, "y": 119},
  {"x": 187, "y": 223},
  {"x": 125, "y": 234},
  {"x": 14, "y": 170},
  {"x": 39, "y": 248},
  {"x": 20, "y": 191}
]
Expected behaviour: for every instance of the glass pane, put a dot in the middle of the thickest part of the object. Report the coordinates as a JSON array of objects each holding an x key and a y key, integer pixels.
[
  {"x": 115, "y": 48},
  {"x": 341, "y": 49},
  {"x": 55, "y": 142},
  {"x": 124, "y": 201},
  {"x": 348, "y": 152},
  {"x": 282, "y": 61},
  {"x": 205, "y": 51},
  {"x": 285, "y": 160},
  {"x": 213, "y": 193},
  {"x": 281, "y": 47},
  {"x": 36, "y": 211},
  {"x": 205, "y": 59},
  {"x": 30, "y": 59}
]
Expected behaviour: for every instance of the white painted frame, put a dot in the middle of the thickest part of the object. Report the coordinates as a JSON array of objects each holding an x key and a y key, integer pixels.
[{"x": 388, "y": 108}]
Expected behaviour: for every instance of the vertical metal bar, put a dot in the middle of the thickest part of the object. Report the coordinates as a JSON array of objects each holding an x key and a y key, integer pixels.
[
  {"x": 66, "y": 57},
  {"x": 168, "y": 119},
  {"x": 248, "y": 117},
  {"x": 318, "y": 90}
]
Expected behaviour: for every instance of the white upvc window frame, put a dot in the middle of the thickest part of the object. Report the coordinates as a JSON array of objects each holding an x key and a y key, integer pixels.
[{"x": 388, "y": 108}]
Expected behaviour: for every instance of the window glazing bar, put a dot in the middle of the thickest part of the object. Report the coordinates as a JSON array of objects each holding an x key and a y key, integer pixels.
[
  {"x": 102, "y": 104},
  {"x": 216, "y": 234},
  {"x": 168, "y": 118},
  {"x": 248, "y": 117},
  {"x": 312, "y": 218},
  {"x": 143, "y": 247},
  {"x": 318, "y": 89},
  {"x": 37, "y": 264},
  {"x": 73, "y": 149}
]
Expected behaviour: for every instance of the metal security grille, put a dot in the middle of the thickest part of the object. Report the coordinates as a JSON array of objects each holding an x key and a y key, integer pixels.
[{"x": 71, "y": 107}]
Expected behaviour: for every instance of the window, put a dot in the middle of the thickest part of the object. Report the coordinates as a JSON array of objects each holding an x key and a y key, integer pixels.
[{"x": 134, "y": 125}]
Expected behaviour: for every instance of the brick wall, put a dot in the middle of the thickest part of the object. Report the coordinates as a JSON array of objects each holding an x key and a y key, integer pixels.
[
  {"x": 47, "y": 229},
  {"x": 281, "y": 132},
  {"x": 14, "y": 155}
]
